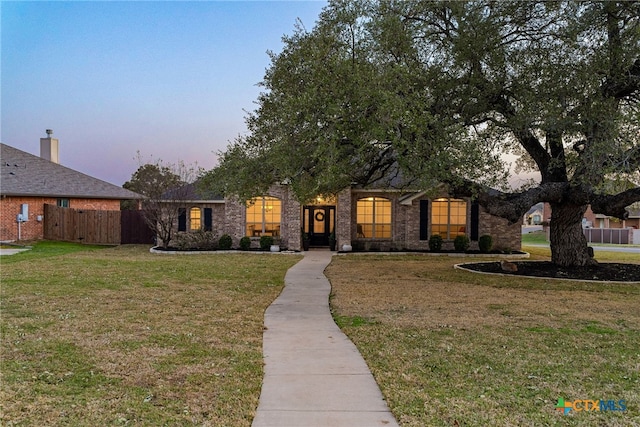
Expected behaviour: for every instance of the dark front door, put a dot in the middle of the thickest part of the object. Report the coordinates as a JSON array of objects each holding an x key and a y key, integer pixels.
[{"x": 318, "y": 223}]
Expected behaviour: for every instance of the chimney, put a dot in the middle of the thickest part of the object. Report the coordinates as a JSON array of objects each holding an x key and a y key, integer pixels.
[{"x": 49, "y": 148}]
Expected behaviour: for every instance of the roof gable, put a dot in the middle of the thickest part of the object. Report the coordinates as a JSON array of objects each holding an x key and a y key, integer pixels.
[{"x": 23, "y": 174}]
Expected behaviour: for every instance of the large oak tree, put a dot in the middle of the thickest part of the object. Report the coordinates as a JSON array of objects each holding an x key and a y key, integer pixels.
[{"x": 443, "y": 92}]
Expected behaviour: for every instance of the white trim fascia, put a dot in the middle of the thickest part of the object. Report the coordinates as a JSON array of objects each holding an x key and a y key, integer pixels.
[{"x": 408, "y": 201}]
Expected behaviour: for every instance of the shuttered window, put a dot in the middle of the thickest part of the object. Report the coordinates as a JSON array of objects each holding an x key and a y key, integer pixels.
[{"x": 195, "y": 219}]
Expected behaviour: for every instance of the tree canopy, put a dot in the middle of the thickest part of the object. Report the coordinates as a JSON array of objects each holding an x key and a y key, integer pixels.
[
  {"x": 153, "y": 180},
  {"x": 438, "y": 91}
]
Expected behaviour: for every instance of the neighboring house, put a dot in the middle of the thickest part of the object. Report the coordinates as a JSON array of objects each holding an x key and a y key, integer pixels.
[
  {"x": 30, "y": 182},
  {"x": 599, "y": 228},
  {"x": 593, "y": 220},
  {"x": 369, "y": 219},
  {"x": 534, "y": 215}
]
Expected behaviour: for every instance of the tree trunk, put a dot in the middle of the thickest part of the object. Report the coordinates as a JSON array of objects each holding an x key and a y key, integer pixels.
[{"x": 568, "y": 244}]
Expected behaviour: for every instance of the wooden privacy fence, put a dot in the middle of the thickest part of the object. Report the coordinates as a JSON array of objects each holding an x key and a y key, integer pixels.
[
  {"x": 95, "y": 226},
  {"x": 134, "y": 229},
  {"x": 82, "y": 225}
]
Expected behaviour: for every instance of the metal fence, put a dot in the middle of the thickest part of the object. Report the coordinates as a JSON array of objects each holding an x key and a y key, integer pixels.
[{"x": 620, "y": 236}]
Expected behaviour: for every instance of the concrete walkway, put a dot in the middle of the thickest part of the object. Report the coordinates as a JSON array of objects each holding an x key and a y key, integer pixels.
[{"x": 314, "y": 376}]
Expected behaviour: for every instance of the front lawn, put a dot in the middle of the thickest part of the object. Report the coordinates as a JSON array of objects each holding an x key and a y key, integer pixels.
[
  {"x": 535, "y": 237},
  {"x": 118, "y": 336},
  {"x": 454, "y": 348}
]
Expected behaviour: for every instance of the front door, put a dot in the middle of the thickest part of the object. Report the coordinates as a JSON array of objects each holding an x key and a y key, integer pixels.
[{"x": 319, "y": 223}]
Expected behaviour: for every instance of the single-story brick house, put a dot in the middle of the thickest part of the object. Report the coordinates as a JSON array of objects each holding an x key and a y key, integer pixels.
[
  {"x": 603, "y": 221},
  {"x": 29, "y": 182},
  {"x": 369, "y": 219}
]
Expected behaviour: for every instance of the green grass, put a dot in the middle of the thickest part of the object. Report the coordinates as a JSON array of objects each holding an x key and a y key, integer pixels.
[
  {"x": 452, "y": 348},
  {"x": 118, "y": 336},
  {"x": 536, "y": 237},
  {"x": 44, "y": 248},
  {"x": 601, "y": 256}
]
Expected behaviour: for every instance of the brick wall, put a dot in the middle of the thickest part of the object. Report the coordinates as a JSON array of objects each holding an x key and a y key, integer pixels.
[
  {"x": 344, "y": 221},
  {"x": 406, "y": 225},
  {"x": 230, "y": 218},
  {"x": 505, "y": 235},
  {"x": 291, "y": 237},
  {"x": 33, "y": 229},
  {"x": 235, "y": 219}
]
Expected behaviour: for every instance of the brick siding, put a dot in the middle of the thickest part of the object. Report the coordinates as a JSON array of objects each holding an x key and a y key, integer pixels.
[
  {"x": 406, "y": 226},
  {"x": 230, "y": 218}
]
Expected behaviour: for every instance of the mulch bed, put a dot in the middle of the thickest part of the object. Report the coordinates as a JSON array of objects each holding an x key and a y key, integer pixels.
[{"x": 612, "y": 272}]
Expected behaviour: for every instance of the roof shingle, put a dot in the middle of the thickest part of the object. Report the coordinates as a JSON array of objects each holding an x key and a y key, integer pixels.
[{"x": 23, "y": 174}]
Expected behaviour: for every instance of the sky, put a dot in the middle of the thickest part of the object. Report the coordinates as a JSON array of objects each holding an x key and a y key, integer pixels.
[{"x": 170, "y": 80}]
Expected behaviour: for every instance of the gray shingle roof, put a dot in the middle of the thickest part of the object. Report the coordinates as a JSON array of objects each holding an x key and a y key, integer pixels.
[
  {"x": 193, "y": 192},
  {"x": 23, "y": 174}
]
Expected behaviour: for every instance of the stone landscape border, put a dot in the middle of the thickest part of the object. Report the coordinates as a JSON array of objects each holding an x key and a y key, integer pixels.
[
  {"x": 154, "y": 250},
  {"x": 524, "y": 255}
]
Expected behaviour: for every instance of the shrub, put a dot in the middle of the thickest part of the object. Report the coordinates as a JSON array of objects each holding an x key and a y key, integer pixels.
[
  {"x": 206, "y": 240},
  {"x": 461, "y": 243},
  {"x": 485, "y": 243},
  {"x": 225, "y": 242},
  {"x": 266, "y": 242},
  {"x": 196, "y": 240},
  {"x": 435, "y": 243},
  {"x": 245, "y": 243},
  {"x": 181, "y": 241}
]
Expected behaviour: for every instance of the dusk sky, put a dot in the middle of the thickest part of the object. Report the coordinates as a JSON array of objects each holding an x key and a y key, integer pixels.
[{"x": 169, "y": 79}]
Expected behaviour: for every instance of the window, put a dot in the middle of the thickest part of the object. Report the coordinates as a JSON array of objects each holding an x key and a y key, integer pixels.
[
  {"x": 62, "y": 203},
  {"x": 448, "y": 218},
  {"x": 374, "y": 218},
  {"x": 194, "y": 219},
  {"x": 263, "y": 217}
]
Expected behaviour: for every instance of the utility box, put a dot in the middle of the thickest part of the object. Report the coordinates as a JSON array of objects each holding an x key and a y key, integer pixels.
[{"x": 24, "y": 213}]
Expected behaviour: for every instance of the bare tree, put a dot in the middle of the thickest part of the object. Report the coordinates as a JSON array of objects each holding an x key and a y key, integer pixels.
[{"x": 167, "y": 189}]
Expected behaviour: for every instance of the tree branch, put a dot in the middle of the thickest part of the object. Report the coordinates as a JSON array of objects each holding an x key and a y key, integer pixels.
[
  {"x": 614, "y": 205},
  {"x": 510, "y": 206}
]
